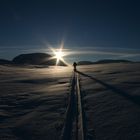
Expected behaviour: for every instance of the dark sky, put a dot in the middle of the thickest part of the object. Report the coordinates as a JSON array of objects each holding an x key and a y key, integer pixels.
[{"x": 102, "y": 24}]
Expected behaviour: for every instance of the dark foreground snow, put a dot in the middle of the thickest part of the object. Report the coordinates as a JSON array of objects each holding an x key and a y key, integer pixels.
[
  {"x": 112, "y": 101},
  {"x": 33, "y": 101}
]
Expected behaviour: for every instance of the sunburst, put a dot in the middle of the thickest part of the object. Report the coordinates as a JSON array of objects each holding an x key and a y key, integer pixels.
[{"x": 58, "y": 54}]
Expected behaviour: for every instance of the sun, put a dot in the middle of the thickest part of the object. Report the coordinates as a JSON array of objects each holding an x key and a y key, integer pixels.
[{"x": 58, "y": 54}]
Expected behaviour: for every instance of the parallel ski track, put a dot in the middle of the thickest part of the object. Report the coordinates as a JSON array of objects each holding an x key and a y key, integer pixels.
[{"x": 74, "y": 114}]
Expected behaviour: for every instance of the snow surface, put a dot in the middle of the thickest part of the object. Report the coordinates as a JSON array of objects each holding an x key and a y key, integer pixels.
[
  {"x": 111, "y": 100},
  {"x": 33, "y": 101}
]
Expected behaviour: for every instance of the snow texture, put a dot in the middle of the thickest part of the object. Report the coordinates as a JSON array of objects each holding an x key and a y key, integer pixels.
[{"x": 33, "y": 101}]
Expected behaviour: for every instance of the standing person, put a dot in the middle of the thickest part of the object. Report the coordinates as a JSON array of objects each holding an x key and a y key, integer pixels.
[{"x": 74, "y": 66}]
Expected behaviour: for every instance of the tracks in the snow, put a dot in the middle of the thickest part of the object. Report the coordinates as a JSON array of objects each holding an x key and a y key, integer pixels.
[{"x": 74, "y": 128}]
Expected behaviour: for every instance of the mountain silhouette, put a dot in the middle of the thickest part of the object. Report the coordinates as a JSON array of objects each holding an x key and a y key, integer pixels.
[
  {"x": 105, "y": 61},
  {"x": 85, "y": 63},
  {"x": 4, "y": 61},
  {"x": 36, "y": 59},
  {"x": 46, "y": 59}
]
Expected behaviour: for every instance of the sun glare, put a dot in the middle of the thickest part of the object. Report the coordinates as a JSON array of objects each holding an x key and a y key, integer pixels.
[{"x": 58, "y": 54}]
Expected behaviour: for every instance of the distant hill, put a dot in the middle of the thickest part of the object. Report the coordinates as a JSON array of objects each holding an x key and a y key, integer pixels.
[
  {"x": 3, "y": 61},
  {"x": 111, "y": 61},
  {"x": 105, "y": 61},
  {"x": 85, "y": 63},
  {"x": 45, "y": 59},
  {"x": 32, "y": 59},
  {"x": 36, "y": 59}
]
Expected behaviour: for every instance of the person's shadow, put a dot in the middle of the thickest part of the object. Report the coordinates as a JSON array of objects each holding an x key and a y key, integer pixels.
[{"x": 134, "y": 99}]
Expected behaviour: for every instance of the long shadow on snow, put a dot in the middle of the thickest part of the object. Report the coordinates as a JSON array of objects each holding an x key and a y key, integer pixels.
[{"x": 134, "y": 99}]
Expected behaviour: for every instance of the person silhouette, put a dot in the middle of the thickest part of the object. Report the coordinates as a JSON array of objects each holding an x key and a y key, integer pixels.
[{"x": 74, "y": 66}]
